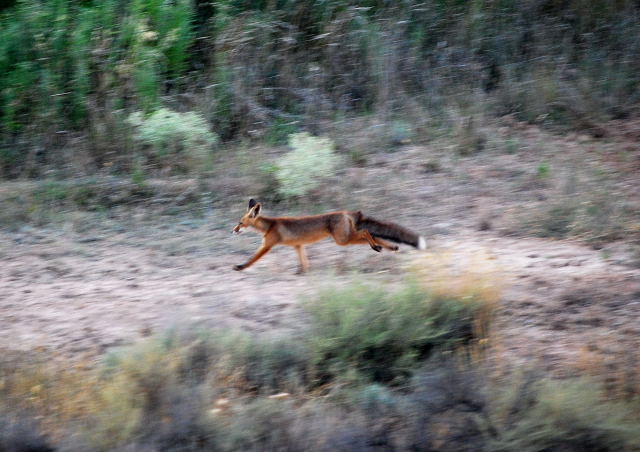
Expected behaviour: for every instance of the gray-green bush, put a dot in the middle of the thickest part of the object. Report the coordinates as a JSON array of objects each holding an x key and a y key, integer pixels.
[
  {"x": 181, "y": 393},
  {"x": 383, "y": 336},
  {"x": 303, "y": 168},
  {"x": 531, "y": 414},
  {"x": 180, "y": 141}
]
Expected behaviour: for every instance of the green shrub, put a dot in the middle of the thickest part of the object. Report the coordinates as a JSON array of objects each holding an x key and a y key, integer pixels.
[
  {"x": 178, "y": 140},
  {"x": 265, "y": 364},
  {"x": 542, "y": 171},
  {"x": 154, "y": 395},
  {"x": 79, "y": 60},
  {"x": 383, "y": 336},
  {"x": 52, "y": 192},
  {"x": 246, "y": 63},
  {"x": 280, "y": 131},
  {"x": 187, "y": 392},
  {"x": 262, "y": 425},
  {"x": 400, "y": 132},
  {"x": 223, "y": 100},
  {"x": 302, "y": 169},
  {"x": 572, "y": 415}
]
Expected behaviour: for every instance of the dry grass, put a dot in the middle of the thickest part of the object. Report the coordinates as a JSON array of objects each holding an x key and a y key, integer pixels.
[
  {"x": 620, "y": 371},
  {"x": 474, "y": 275}
]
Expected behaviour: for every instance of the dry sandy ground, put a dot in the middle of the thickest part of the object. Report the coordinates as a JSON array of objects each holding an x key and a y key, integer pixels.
[
  {"x": 82, "y": 289},
  {"x": 79, "y": 295}
]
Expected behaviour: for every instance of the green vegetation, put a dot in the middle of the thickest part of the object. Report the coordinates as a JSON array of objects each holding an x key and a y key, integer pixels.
[
  {"x": 203, "y": 390},
  {"x": 542, "y": 171},
  {"x": 177, "y": 140},
  {"x": 382, "y": 336},
  {"x": 562, "y": 415},
  {"x": 302, "y": 169},
  {"x": 102, "y": 101},
  {"x": 269, "y": 69}
]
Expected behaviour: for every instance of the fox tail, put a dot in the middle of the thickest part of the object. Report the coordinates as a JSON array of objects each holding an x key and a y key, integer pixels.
[{"x": 391, "y": 231}]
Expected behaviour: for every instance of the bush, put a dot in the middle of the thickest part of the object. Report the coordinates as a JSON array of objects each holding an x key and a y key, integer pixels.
[
  {"x": 206, "y": 390},
  {"x": 383, "y": 336},
  {"x": 303, "y": 168},
  {"x": 400, "y": 132},
  {"x": 266, "y": 69},
  {"x": 181, "y": 393},
  {"x": 573, "y": 415},
  {"x": 177, "y": 140},
  {"x": 156, "y": 393},
  {"x": 265, "y": 364}
]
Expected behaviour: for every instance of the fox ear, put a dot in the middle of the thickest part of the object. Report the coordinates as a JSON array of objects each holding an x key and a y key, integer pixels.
[
  {"x": 256, "y": 210},
  {"x": 252, "y": 202}
]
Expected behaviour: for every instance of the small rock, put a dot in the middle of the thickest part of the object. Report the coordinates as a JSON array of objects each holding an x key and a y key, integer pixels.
[
  {"x": 222, "y": 402},
  {"x": 89, "y": 239},
  {"x": 485, "y": 225},
  {"x": 279, "y": 396}
]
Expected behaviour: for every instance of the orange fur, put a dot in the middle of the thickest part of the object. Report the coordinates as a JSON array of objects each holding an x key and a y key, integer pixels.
[{"x": 345, "y": 227}]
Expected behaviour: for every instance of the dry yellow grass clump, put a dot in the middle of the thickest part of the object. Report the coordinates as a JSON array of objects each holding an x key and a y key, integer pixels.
[{"x": 473, "y": 275}]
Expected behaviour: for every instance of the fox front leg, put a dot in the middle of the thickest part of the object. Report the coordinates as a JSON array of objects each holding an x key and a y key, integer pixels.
[
  {"x": 302, "y": 257},
  {"x": 261, "y": 252},
  {"x": 268, "y": 242}
]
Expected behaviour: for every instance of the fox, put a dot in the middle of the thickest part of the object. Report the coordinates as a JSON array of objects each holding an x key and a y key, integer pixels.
[{"x": 345, "y": 227}]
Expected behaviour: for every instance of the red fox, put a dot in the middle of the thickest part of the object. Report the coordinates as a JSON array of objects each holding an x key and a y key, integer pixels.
[{"x": 346, "y": 228}]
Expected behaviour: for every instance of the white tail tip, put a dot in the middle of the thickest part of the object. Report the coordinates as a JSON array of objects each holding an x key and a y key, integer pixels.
[{"x": 422, "y": 243}]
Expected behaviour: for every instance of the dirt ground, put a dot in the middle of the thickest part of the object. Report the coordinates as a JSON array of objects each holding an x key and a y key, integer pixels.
[
  {"x": 81, "y": 291},
  {"x": 76, "y": 295}
]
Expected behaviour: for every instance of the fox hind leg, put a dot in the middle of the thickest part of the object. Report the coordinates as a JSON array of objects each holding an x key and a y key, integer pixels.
[
  {"x": 345, "y": 233},
  {"x": 385, "y": 244},
  {"x": 362, "y": 237},
  {"x": 376, "y": 243},
  {"x": 366, "y": 235}
]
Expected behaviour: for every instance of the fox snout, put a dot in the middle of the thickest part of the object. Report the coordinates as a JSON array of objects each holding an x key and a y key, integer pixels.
[{"x": 237, "y": 229}]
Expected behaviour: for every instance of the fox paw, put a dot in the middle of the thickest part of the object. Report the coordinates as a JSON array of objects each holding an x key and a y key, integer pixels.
[
  {"x": 394, "y": 248},
  {"x": 377, "y": 248},
  {"x": 238, "y": 267}
]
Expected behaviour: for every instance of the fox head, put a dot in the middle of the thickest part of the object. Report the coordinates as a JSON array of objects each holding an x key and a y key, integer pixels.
[{"x": 249, "y": 218}]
